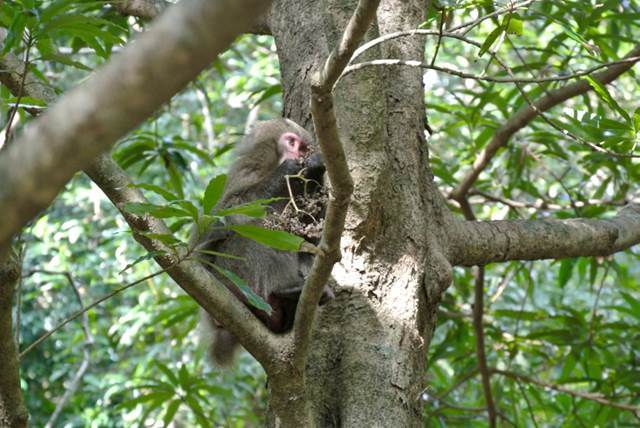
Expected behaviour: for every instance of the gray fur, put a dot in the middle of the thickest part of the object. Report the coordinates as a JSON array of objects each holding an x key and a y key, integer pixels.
[{"x": 277, "y": 276}]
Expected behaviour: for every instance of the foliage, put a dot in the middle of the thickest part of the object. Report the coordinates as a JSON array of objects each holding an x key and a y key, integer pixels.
[{"x": 569, "y": 323}]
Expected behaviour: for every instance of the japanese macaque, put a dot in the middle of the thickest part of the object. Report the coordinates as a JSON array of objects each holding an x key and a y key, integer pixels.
[{"x": 270, "y": 154}]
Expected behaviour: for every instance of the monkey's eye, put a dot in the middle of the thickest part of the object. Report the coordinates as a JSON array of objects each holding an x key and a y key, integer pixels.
[{"x": 291, "y": 142}]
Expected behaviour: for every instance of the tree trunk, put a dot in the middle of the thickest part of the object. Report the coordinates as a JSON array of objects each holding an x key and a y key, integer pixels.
[{"x": 368, "y": 352}]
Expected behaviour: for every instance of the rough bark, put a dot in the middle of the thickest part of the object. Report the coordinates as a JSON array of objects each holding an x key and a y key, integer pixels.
[
  {"x": 368, "y": 349},
  {"x": 13, "y": 412},
  {"x": 480, "y": 243}
]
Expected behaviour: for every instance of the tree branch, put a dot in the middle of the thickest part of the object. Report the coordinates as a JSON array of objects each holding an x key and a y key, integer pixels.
[
  {"x": 89, "y": 119},
  {"x": 145, "y": 9},
  {"x": 483, "y": 78},
  {"x": 12, "y": 74},
  {"x": 47, "y": 334},
  {"x": 584, "y": 395},
  {"x": 480, "y": 243},
  {"x": 115, "y": 183},
  {"x": 13, "y": 412},
  {"x": 150, "y": 9},
  {"x": 190, "y": 275},
  {"x": 527, "y": 113},
  {"x": 324, "y": 121},
  {"x": 485, "y": 374},
  {"x": 86, "y": 356}
]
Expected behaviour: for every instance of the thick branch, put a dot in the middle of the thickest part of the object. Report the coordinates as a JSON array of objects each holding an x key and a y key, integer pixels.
[
  {"x": 480, "y": 243},
  {"x": 150, "y": 9},
  {"x": 527, "y": 113},
  {"x": 191, "y": 276},
  {"x": 113, "y": 181},
  {"x": 145, "y": 9},
  {"x": 13, "y": 412},
  {"x": 89, "y": 119},
  {"x": 324, "y": 121}
]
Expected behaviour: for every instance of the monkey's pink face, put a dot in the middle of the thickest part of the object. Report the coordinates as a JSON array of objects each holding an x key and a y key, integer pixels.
[{"x": 291, "y": 146}]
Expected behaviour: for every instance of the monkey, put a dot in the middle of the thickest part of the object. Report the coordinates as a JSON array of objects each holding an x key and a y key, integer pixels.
[{"x": 270, "y": 152}]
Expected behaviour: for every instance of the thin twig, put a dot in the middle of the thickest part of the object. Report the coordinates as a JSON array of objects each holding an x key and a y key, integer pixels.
[
  {"x": 23, "y": 78},
  {"x": 508, "y": 9},
  {"x": 532, "y": 415},
  {"x": 76, "y": 314},
  {"x": 557, "y": 78},
  {"x": 594, "y": 310},
  {"x": 88, "y": 342},
  {"x": 443, "y": 13},
  {"x": 544, "y": 205},
  {"x": 584, "y": 395},
  {"x": 485, "y": 374}
]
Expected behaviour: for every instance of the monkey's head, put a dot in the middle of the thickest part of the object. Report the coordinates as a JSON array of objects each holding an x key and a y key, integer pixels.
[{"x": 268, "y": 144}]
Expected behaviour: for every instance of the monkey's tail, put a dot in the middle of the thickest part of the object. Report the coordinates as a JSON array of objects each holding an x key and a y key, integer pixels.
[
  {"x": 223, "y": 347},
  {"x": 222, "y": 344}
]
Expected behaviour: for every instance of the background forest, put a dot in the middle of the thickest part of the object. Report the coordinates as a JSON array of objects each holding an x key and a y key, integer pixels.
[{"x": 563, "y": 336}]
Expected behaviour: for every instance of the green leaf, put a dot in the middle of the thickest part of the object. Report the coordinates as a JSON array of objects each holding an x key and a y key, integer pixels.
[
  {"x": 605, "y": 96},
  {"x": 184, "y": 376},
  {"x": 267, "y": 93},
  {"x": 66, "y": 60},
  {"x": 570, "y": 32},
  {"x": 139, "y": 208},
  {"x": 633, "y": 303},
  {"x": 490, "y": 40},
  {"x": 516, "y": 314},
  {"x": 167, "y": 195},
  {"x": 157, "y": 397},
  {"x": 513, "y": 24},
  {"x": 167, "y": 372},
  {"x": 165, "y": 238},
  {"x": 201, "y": 154},
  {"x": 254, "y": 209},
  {"x": 27, "y": 102},
  {"x": 15, "y": 32},
  {"x": 277, "y": 239},
  {"x": 195, "y": 406},
  {"x": 175, "y": 179},
  {"x": 204, "y": 224},
  {"x": 219, "y": 254},
  {"x": 148, "y": 256},
  {"x": 45, "y": 47},
  {"x": 189, "y": 207},
  {"x": 213, "y": 192},
  {"x": 566, "y": 269},
  {"x": 172, "y": 408},
  {"x": 252, "y": 298}
]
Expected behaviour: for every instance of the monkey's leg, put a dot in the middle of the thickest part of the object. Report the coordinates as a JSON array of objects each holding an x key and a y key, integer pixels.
[{"x": 284, "y": 303}]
